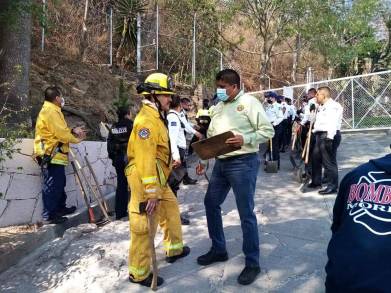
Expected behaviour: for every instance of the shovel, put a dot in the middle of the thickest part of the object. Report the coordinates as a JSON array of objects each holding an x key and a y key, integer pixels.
[{"x": 271, "y": 166}]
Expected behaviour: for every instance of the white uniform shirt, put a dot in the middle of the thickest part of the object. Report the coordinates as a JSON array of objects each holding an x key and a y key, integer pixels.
[
  {"x": 307, "y": 112},
  {"x": 188, "y": 128},
  {"x": 274, "y": 113},
  {"x": 285, "y": 110},
  {"x": 292, "y": 112},
  {"x": 176, "y": 133},
  {"x": 340, "y": 116},
  {"x": 328, "y": 118}
]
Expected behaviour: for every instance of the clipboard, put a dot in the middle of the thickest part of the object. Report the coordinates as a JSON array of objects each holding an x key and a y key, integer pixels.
[{"x": 214, "y": 146}]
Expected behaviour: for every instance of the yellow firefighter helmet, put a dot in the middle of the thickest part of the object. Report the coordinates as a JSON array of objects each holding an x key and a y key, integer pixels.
[{"x": 156, "y": 84}]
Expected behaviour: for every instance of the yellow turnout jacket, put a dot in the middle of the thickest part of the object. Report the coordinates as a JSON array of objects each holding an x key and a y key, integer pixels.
[{"x": 51, "y": 131}]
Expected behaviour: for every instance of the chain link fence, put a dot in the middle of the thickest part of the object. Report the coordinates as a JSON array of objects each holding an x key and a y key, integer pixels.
[{"x": 366, "y": 99}]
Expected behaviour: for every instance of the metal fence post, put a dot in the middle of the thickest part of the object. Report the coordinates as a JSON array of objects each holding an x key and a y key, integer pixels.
[
  {"x": 157, "y": 37},
  {"x": 43, "y": 25},
  {"x": 111, "y": 36},
  {"x": 138, "y": 43},
  {"x": 353, "y": 123},
  {"x": 193, "y": 67}
]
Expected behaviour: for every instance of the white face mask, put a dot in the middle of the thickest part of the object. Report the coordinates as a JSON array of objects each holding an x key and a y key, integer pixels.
[{"x": 62, "y": 102}]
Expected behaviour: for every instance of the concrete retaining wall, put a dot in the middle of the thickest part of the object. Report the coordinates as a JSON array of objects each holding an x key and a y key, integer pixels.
[{"x": 20, "y": 182}]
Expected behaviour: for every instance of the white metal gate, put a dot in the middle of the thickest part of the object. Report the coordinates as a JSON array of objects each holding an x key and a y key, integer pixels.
[{"x": 366, "y": 99}]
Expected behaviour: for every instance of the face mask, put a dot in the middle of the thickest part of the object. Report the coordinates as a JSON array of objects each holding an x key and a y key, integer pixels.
[
  {"x": 62, "y": 102},
  {"x": 222, "y": 95}
]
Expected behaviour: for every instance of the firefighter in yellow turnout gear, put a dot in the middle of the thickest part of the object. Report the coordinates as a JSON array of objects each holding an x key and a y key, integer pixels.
[{"x": 147, "y": 173}]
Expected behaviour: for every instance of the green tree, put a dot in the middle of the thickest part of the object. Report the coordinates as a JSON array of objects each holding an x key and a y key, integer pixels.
[
  {"x": 176, "y": 39},
  {"x": 382, "y": 58},
  {"x": 271, "y": 20},
  {"x": 342, "y": 33},
  {"x": 15, "y": 47}
]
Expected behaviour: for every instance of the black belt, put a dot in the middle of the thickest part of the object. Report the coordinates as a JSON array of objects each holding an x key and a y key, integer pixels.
[{"x": 323, "y": 132}]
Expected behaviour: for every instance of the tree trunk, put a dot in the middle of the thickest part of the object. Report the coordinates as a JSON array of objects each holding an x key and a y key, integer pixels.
[
  {"x": 15, "y": 47},
  {"x": 296, "y": 58},
  {"x": 120, "y": 49},
  {"x": 330, "y": 72},
  {"x": 264, "y": 57},
  {"x": 84, "y": 34}
]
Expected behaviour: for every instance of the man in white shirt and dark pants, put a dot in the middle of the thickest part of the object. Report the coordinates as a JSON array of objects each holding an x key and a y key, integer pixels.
[
  {"x": 275, "y": 116},
  {"x": 327, "y": 138},
  {"x": 185, "y": 104},
  {"x": 176, "y": 130},
  {"x": 291, "y": 118}
]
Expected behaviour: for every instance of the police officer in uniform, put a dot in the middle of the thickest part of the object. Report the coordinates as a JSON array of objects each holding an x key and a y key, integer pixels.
[
  {"x": 291, "y": 118},
  {"x": 149, "y": 165},
  {"x": 308, "y": 115},
  {"x": 275, "y": 116},
  {"x": 176, "y": 130},
  {"x": 117, "y": 143},
  {"x": 191, "y": 131},
  {"x": 284, "y": 142},
  {"x": 327, "y": 121}
]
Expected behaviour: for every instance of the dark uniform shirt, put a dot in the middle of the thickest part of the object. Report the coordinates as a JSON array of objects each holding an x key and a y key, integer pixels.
[{"x": 118, "y": 139}]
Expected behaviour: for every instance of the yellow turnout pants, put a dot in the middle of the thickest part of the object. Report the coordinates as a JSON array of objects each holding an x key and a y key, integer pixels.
[{"x": 166, "y": 215}]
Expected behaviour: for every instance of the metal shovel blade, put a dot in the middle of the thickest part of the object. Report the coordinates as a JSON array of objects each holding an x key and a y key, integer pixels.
[
  {"x": 271, "y": 167},
  {"x": 300, "y": 174}
]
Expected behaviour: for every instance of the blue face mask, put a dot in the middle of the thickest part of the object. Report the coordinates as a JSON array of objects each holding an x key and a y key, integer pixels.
[{"x": 222, "y": 94}]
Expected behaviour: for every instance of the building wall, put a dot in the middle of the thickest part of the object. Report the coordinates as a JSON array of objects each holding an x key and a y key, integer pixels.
[{"x": 20, "y": 182}]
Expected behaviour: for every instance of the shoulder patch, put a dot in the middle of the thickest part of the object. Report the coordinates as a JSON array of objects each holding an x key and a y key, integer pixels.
[
  {"x": 144, "y": 133},
  {"x": 240, "y": 108}
]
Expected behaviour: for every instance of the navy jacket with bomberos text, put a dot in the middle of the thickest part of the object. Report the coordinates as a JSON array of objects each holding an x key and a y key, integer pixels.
[{"x": 359, "y": 252}]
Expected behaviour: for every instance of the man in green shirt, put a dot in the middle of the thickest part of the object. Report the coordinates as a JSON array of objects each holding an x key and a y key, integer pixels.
[{"x": 244, "y": 115}]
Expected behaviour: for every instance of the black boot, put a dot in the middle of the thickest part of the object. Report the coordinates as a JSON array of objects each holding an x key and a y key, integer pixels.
[
  {"x": 188, "y": 181},
  {"x": 148, "y": 281},
  {"x": 66, "y": 211},
  {"x": 55, "y": 220},
  {"x": 185, "y": 252},
  {"x": 248, "y": 275},
  {"x": 210, "y": 257},
  {"x": 185, "y": 221}
]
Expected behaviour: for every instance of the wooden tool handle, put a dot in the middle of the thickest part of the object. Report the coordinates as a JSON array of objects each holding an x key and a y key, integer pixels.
[
  {"x": 153, "y": 252},
  {"x": 294, "y": 140},
  {"x": 100, "y": 192},
  {"x": 303, "y": 154},
  {"x": 309, "y": 144}
]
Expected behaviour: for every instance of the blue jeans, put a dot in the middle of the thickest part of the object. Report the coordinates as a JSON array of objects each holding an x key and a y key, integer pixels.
[
  {"x": 53, "y": 194},
  {"x": 240, "y": 173}
]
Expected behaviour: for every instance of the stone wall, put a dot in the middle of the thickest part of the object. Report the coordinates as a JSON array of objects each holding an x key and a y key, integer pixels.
[{"x": 20, "y": 182}]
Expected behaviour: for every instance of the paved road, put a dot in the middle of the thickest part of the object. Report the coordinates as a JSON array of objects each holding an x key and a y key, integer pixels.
[{"x": 293, "y": 227}]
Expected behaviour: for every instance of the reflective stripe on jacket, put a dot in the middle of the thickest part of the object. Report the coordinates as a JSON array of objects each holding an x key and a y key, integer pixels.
[{"x": 51, "y": 130}]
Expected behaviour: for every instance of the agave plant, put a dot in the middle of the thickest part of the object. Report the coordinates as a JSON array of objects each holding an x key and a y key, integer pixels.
[{"x": 126, "y": 19}]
